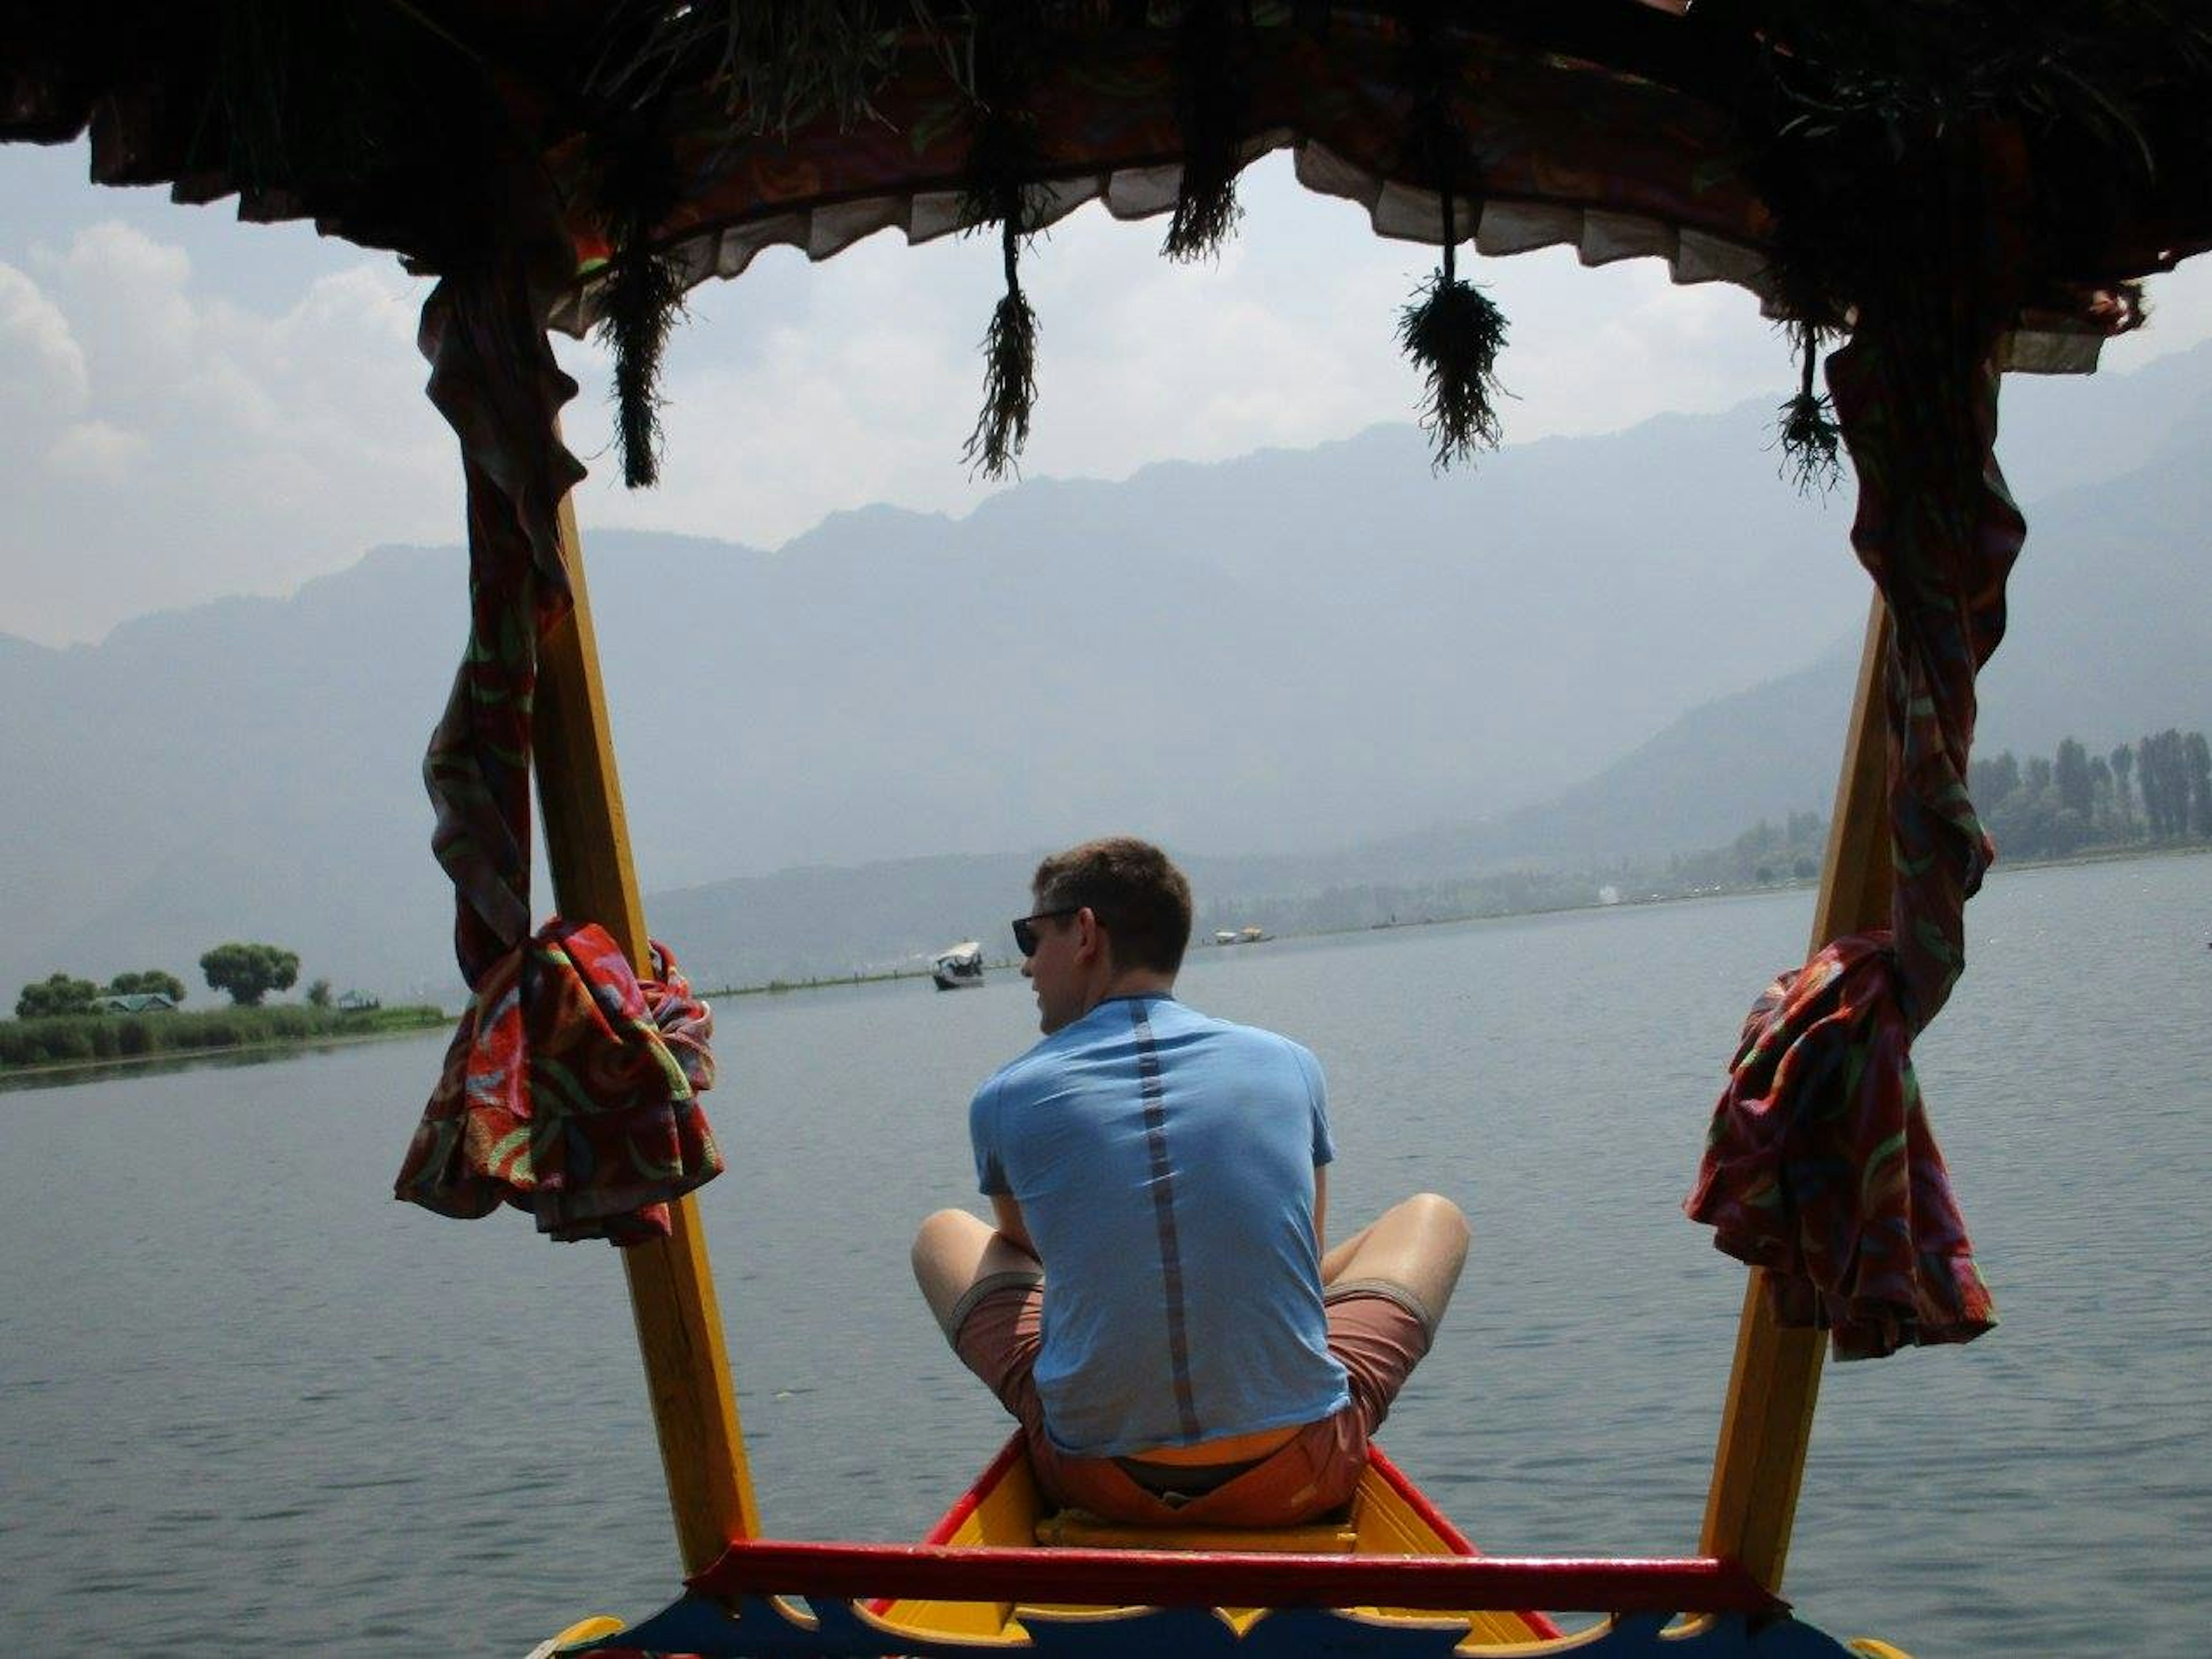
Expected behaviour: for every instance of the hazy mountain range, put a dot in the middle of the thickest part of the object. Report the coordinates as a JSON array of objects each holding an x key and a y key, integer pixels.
[{"x": 1295, "y": 669}]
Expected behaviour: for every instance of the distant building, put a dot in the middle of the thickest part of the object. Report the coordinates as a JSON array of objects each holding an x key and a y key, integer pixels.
[
  {"x": 136, "y": 1002},
  {"x": 358, "y": 1002}
]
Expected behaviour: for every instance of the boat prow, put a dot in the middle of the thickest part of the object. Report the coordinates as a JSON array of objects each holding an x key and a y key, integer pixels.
[
  {"x": 1389, "y": 1518},
  {"x": 1002, "y": 1573}
]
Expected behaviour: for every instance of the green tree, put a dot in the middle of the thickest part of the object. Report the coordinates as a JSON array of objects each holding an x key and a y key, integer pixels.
[
  {"x": 2123, "y": 765},
  {"x": 2152, "y": 778},
  {"x": 2071, "y": 774},
  {"x": 57, "y": 994},
  {"x": 150, "y": 982},
  {"x": 2100, "y": 792},
  {"x": 1760, "y": 838},
  {"x": 2196, "y": 765},
  {"x": 319, "y": 992},
  {"x": 1993, "y": 780},
  {"x": 249, "y": 972},
  {"x": 2162, "y": 765}
]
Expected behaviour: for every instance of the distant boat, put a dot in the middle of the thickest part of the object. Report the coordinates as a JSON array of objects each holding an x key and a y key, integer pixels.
[
  {"x": 957, "y": 965},
  {"x": 1253, "y": 936},
  {"x": 1224, "y": 937}
]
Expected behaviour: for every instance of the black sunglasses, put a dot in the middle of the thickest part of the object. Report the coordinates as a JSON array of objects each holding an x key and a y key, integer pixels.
[{"x": 1026, "y": 934}]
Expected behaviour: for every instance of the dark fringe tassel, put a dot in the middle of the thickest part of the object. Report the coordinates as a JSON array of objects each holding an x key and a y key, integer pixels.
[
  {"x": 643, "y": 296},
  {"x": 643, "y": 299},
  {"x": 1210, "y": 107},
  {"x": 1454, "y": 332},
  {"x": 1009, "y": 374},
  {"x": 1002, "y": 166},
  {"x": 1811, "y": 441}
]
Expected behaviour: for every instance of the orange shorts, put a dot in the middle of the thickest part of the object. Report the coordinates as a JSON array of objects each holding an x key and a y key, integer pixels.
[{"x": 1377, "y": 1337}]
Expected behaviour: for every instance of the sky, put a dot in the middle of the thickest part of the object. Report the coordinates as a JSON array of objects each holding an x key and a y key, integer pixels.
[{"x": 194, "y": 407}]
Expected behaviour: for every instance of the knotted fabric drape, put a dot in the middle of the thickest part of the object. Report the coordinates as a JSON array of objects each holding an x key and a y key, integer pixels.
[
  {"x": 570, "y": 1089},
  {"x": 1819, "y": 1165}
]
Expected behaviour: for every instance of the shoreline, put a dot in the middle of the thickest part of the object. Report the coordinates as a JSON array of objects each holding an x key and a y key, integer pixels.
[
  {"x": 62, "y": 1070},
  {"x": 2001, "y": 867}
]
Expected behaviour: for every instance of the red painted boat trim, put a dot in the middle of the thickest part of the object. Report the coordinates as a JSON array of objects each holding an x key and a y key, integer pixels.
[
  {"x": 1418, "y": 1501},
  {"x": 1436, "y": 1520},
  {"x": 966, "y": 1504},
  {"x": 1190, "y": 1578}
]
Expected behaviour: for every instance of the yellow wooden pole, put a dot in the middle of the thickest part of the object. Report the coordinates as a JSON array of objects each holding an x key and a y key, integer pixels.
[
  {"x": 1767, "y": 1422},
  {"x": 679, "y": 1323}
]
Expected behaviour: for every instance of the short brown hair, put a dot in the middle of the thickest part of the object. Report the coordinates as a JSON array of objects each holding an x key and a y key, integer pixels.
[{"x": 1133, "y": 889}]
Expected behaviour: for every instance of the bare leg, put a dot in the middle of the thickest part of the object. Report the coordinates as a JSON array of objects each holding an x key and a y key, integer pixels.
[
  {"x": 1418, "y": 1247},
  {"x": 955, "y": 1255}
]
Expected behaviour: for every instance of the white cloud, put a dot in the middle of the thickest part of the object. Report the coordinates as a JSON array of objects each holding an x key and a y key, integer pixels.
[
  {"x": 2179, "y": 303},
  {"x": 92, "y": 452},
  {"x": 1637, "y": 345},
  {"x": 128, "y": 293},
  {"x": 259, "y": 447},
  {"x": 271, "y": 433},
  {"x": 41, "y": 365},
  {"x": 799, "y": 389}
]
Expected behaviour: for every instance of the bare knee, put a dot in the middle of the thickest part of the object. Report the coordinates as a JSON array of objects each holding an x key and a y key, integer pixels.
[
  {"x": 1418, "y": 1246},
  {"x": 942, "y": 1235},
  {"x": 943, "y": 1222},
  {"x": 1434, "y": 1211}
]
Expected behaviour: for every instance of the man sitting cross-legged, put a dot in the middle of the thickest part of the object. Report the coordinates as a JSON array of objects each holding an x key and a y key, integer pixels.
[{"x": 1154, "y": 1305}]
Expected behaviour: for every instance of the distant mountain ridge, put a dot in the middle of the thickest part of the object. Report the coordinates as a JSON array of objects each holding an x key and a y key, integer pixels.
[{"x": 1584, "y": 647}]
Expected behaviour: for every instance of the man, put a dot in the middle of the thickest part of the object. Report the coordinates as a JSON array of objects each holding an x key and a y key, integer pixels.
[{"x": 1156, "y": 1304}]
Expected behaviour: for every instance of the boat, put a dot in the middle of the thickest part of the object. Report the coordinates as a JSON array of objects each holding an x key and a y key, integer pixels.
[
  {"x": 1069, "y": 1564},
  {"x": 957, "y": 965},
  {"x": 1224, "y": 936},
  {"x": 1957, "y": 194},
  {"x": 1253, "y": 936}
]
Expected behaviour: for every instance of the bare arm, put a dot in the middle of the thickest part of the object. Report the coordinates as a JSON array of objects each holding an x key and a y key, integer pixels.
[
  {"x": 1321, "y": 1210},
  {"x": 1008, "y": 1211},
  {"x": 1332, "y": 1263}
]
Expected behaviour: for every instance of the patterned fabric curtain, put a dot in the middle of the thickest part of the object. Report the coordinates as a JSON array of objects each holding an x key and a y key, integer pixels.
[
  {"x": 570, "y": 1089},
  {"x": 1819, "y": 1165}
]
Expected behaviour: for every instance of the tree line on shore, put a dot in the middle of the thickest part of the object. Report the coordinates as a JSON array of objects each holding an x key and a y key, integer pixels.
[
  {"x": 63, "y": 1019},
  {"x": 246, "y": 973},
  {"x": 1768, "y": 854},
  {"x": 2158, "y": 789},
  {"x": 73, "y": 1039},
  {"x": 2154, "y": 791}
]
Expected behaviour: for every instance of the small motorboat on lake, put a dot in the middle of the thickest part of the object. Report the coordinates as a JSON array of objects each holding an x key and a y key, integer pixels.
[{"x": 958, "y": 966}]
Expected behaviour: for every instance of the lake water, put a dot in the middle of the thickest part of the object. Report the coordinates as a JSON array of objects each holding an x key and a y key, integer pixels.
[{"x": 250, "y": 1405}]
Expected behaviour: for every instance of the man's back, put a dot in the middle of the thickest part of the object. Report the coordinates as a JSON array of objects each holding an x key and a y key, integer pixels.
[{"x": 1164, "y": 1162}]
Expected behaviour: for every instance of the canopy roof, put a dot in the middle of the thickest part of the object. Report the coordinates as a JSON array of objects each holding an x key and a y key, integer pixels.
[
  {"x": 2038, "y": 157},
  {"x": 1717, "y": 139}
]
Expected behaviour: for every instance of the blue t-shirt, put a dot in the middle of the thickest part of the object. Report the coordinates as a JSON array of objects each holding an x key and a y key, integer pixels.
[{"x": 1164, "y": 1163}]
